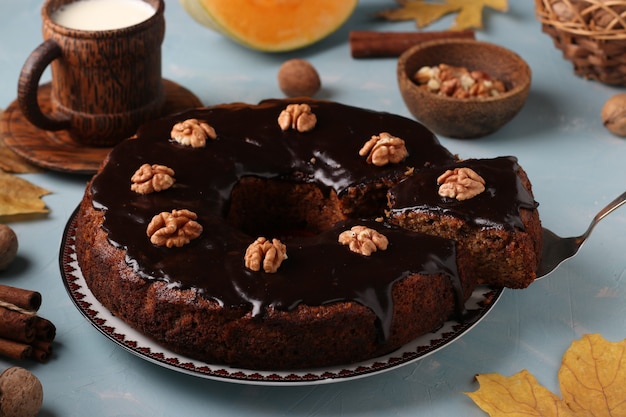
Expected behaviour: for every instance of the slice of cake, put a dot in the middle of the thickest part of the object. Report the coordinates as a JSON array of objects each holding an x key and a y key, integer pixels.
[{"x": 486, "y": 205}]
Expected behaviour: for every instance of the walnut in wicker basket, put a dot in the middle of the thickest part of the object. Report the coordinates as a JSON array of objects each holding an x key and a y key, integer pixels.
[{"x": 590, "y": 33}]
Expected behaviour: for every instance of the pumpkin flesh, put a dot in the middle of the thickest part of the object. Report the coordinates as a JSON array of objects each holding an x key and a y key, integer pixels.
[{"x": 278, "y": 25}]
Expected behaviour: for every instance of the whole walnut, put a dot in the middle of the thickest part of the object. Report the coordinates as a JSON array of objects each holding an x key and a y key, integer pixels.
[
  {"x": 570, "y": 11},
  {"x": 563, "y": 11},
  {"x": 298, "y": 78},
  {"x": 614, "y": 114},
  {"x": 602, "y": 19},
  {"x": 21, "y": 393},
  {"x": 8, "y": 246}
]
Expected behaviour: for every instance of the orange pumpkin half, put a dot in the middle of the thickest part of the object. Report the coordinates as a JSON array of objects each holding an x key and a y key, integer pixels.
[{"x": 272, "y": 25}]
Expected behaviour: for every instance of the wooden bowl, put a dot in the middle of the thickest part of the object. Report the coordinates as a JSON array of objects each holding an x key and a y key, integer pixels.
[{"x": 471, "y": 117}]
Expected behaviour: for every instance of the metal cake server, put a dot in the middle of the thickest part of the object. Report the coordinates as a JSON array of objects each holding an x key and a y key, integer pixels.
[{"x": 557, "y": 249}]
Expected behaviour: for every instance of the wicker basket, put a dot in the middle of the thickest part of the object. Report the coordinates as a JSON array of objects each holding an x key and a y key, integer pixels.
[{"x": 590, "y": 33}]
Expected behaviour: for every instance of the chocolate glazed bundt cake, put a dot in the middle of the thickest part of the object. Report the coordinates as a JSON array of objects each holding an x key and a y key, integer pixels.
[{"x": 296, "y": 234}]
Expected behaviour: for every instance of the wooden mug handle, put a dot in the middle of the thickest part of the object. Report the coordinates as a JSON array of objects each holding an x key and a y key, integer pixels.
[{"x": 28, "y": 85}]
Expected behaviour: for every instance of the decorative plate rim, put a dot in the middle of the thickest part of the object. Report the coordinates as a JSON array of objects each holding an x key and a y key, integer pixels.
[{"x": 479, "y": 305}]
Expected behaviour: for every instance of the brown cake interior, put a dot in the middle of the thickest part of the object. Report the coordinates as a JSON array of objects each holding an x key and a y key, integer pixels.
[{"x": 261, "y": 207}]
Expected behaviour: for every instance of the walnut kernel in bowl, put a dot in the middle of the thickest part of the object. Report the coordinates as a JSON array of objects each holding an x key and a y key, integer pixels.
[{"x": 468, "y": 117}]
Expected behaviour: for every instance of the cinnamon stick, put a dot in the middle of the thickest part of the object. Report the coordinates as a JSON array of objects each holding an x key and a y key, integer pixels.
[
  {"x": 371, "y": 44},
  {"x": 41, "y": 351},
  {"x": 23, "y": 334},
  {"x": 17, "y": 326},
  {"x": 26, "y": 299},
  {"x": 45, "y": 330},
  {"x": 15, "y": 350},
  {"x": 38, "y": 348}
]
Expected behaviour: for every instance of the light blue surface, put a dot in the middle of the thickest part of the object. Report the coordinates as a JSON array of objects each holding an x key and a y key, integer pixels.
[{"x": 575, "y": 164}]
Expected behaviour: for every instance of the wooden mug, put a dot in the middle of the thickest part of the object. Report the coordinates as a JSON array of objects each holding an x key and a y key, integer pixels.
[{"x": 105, "y": 83}]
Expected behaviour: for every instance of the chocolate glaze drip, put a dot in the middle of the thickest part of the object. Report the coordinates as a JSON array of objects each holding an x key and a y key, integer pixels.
[
  {"x": 497, "y": 207},
  {"x": 318, "y": 270}
]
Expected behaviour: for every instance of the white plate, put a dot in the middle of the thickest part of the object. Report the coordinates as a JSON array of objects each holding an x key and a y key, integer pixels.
[{"x": 481, "y": 302}]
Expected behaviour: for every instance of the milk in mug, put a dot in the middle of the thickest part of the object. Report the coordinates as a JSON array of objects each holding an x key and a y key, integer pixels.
[{"x": 97, "y": 15}]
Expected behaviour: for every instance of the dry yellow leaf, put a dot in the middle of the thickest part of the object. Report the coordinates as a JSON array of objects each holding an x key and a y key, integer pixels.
[
  {"x": 592, "y": 381},
  {"x": 19, "y": 196},
  {"x": 593, "y": 377},
  {"x": 519, "y": 395},
  {"x": 425, "y": 12},
  {"x": 12, "y": 162}
]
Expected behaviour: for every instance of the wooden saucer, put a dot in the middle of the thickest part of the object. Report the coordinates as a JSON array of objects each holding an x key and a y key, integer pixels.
[{"x": 57, "y": 151}]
